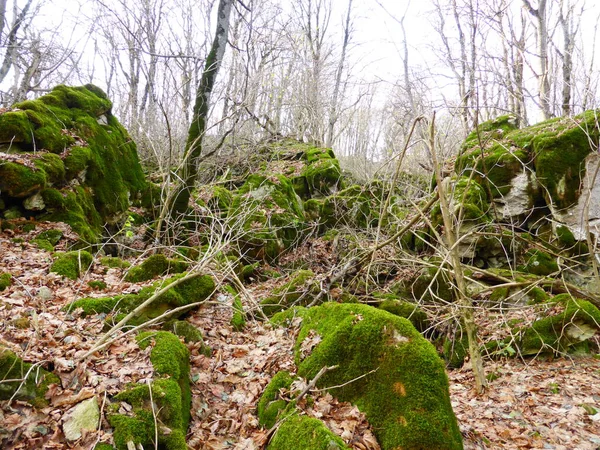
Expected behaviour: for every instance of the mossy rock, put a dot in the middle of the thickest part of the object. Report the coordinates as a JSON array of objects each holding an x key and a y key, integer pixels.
[
  {"x": 190, "y": 291},
  {"x": 296, "y": 291},
  {"x": 538, "y": 262},
  {"x": 35, "y": 384},
  {"x": 52, "y": 236},
  {"x": 579, "y": 322},
  {"x": 355, "y": 206},
  {"x": 407, "y": 310},
  {"x": 72, "y": 264},
  {"x": 270, "y": 213},
  {"x": 184, "y": 329},
  {"x": 171, "y": 394},
  {"x": 76, "y": 147},
  {"x": 271, "y": 405},
  {"x": 385, "y": 367},
  {"x": 113, "y": 262},
  {"x": 5, "y": 280},
  {"x": 154, "y": 266},
  {"x": 431, "y": 285},
  {"x": 97, "y": 285},
  {"x": 322, "y": 172},
  {"x": 300, "y": 432}
]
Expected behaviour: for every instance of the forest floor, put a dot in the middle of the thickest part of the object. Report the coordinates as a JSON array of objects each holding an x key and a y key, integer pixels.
[{"x": 533, "y": 403}]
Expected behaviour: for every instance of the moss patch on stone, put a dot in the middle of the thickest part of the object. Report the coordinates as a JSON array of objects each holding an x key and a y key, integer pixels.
[
  {"x": 190, "y": 291},
  {"x": 36, "y": 383},
  {"x": 114, "y": 262},
  {"x": 295, "y": 291},
  {"x": 579, "y": 321},
  {"x": 75, "y": 148},
  {"x": 405, "y": 395},
  {"x": 271, "y": 404},
  {"x": 171, "y": 394},
  {"x": 154, "y": 266},
  {"x": 538, "y": 262},
  {"x": 407, "y": 310},
  {"x": 299, "y": 432},
  {"x": 72, "y": 264}
]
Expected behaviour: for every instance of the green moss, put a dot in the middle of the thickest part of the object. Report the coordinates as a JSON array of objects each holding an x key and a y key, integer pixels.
[
  {"x": 295, "y": 291},
  {"x": 238, "y": 320},
  {"x": 270, "y": 213},
  {"x": 97, "y": 285},
  {"x": 405, "y": 392},
  {"x": 77, "y": 161},
  {"x": 52, "y": 236},
  {"x": 190, "y": 291},
  {"x": 5, "y": 280},
  {"x": 539, "y": 263},
  {"x": 35, "y": 384},
  {"x": 407, "y": 310},
  {"x": 71, "y": 264},
  {"x": 579, "y": 321},
  {"x": 432, "y": 286},
  {"x": 103, "y": 446},
  {"x": 537, "y": 295},
  {"x": 154, "y": 266},
  {"x": 271, "y": 404},
  {"x": 16, "y": 129},
  {"x": 184, "y": 329},
  {"x": 20, "y": 181},
  {"x": 299, "y": 432},
  {"x": 114, "y": 263}
]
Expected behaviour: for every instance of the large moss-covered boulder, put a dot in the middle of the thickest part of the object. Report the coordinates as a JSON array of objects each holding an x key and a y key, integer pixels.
[
  {"x": 170, "y": 391},
  {"x": 65, "y": 157},
  {"x": 23, "y": 381},
  {"x": 385, "y": 367},
  {"x": 545, "y": 165}
]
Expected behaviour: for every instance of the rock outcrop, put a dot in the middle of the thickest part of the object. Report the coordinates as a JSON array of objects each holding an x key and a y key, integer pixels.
[{"x": 64, "y": 157}]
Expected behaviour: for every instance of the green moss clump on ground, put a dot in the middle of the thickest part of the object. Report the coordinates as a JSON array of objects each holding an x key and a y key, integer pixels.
[
  {"x": 404, "y": 394},
  {"x": 184, "y": 329},
  {"x": 271, "y": 404},
  {"x": 71, "y": 264},
  {"x": 579, "y": 321},
  {"x": 97, "y": 285},
  {"x": 190, "y": 291},
  {"x": 300, "y": 432},
  {"x": 322, "y": 172},
  {"x": 114, "y": 263},
  {"x": 295, "y": 291},
  {"x": 171, "y": 394},
  {"x": 103, "y": 446},
  {"x": 154, "y": 266},
  {"x": 36, "y": 383},
  {"x": 238, "y": 319},
  {"x": 46, "y": 240},
  {"x": 5, "y": 280}
]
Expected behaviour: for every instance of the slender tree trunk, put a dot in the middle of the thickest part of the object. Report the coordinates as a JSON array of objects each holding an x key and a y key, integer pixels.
[
  {"x": 333, "y": 109},
  {"x": 542, "y": 43},
  {"x": 193, "y": 151},
  {"x": 466, "y": 307}
]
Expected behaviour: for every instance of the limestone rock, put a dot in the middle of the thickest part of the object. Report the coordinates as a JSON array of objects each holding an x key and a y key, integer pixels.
[
  {"x": 34, "y": 203},
  {"x": 83, "y": 416}
]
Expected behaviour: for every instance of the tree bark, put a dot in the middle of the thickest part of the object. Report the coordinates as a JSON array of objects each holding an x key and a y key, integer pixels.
[{"x": 193, "y": 151}]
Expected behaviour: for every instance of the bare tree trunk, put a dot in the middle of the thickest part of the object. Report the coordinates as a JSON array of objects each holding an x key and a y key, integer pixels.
[
  {"x": 193, "y": 151},
  {"x": 333, "y": 109},
  {"x": 542, "y": 43},
  {"x": 11, "y": 41},
  {"x": 570, "y": 30},
  {"x": 466, "y": 306}
]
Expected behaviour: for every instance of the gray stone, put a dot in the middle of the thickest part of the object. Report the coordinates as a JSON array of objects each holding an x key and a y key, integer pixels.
[
  {"x": 83, "y": 416},
  {"x": 34, "y": 203},
  {"x": 45, "y": 294}
]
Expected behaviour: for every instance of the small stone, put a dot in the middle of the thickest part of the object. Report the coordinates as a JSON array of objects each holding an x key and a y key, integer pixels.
[
  {"x": 45, "y": 294},
  {"x": 34, "y": 203},
  {"x": 83, "y": 416}
]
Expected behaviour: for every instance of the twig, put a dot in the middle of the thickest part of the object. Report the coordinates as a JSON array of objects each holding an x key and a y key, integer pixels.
[
  {"x": 313, "y": 382},
  {"x": 347, "y": 382}
]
